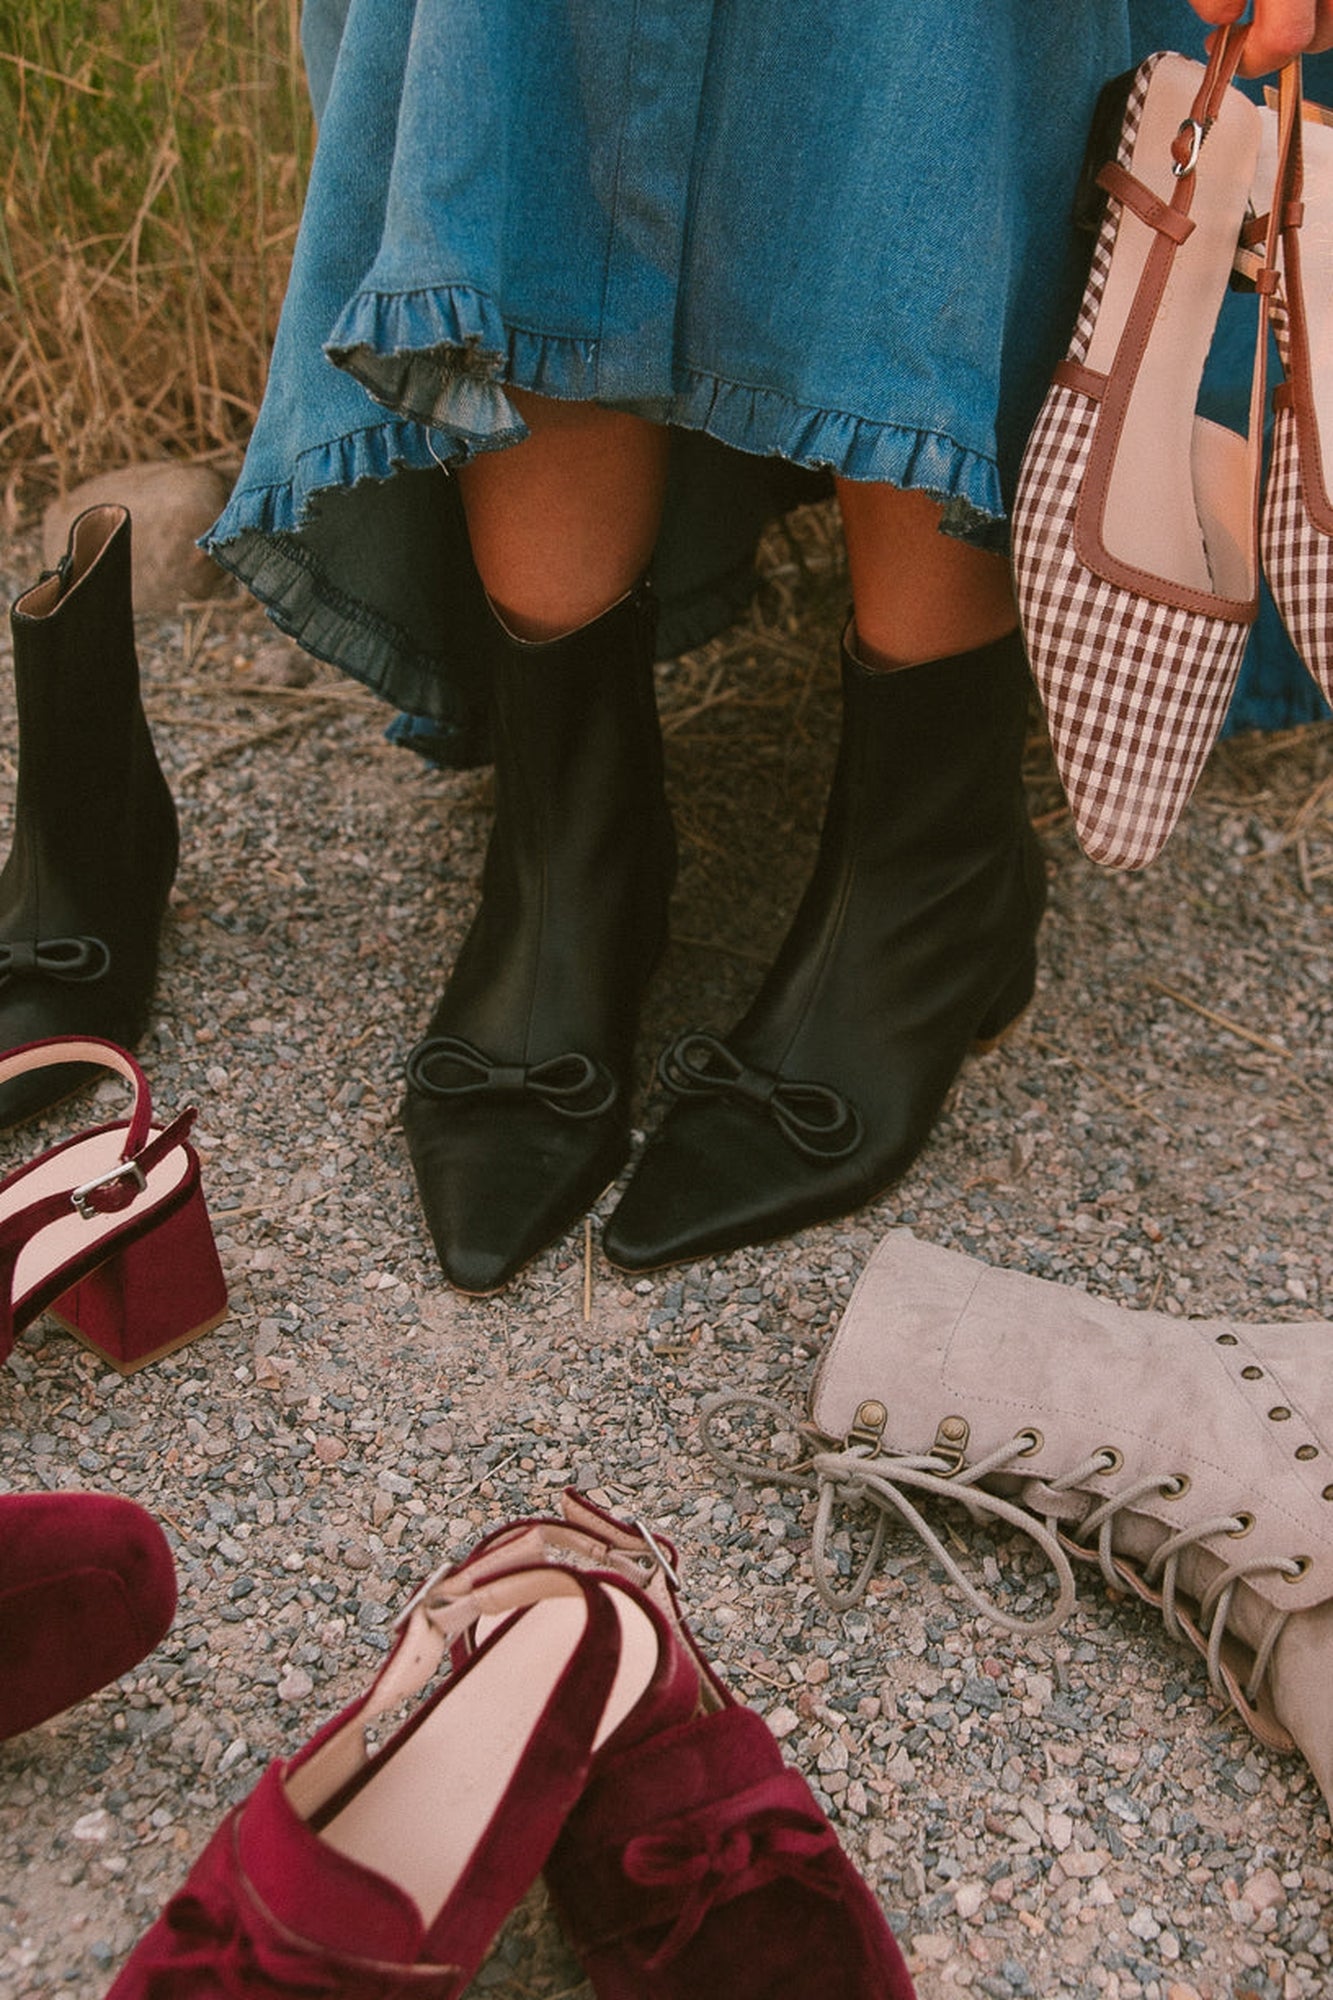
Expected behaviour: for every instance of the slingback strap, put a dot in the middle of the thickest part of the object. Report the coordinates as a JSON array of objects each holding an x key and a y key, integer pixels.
[
  {"x": 118, "y": 1187},
  {"x": 587, "y": 1538},
  {"x": 1149, "y": 207},
  {"x": 55, "y": 1050},
  {"x": 1170, "y": 220}
]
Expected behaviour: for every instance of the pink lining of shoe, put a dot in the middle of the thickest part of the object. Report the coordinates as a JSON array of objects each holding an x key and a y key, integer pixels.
[
  {"x": 60, "y": 1243},
  {"x": 420, "y": 1817}
]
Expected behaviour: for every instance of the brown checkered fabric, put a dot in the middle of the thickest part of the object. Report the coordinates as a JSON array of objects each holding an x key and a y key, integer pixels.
[
  {"x": 1134, "y": 690},
  {"x": 1298, "y": 556}
]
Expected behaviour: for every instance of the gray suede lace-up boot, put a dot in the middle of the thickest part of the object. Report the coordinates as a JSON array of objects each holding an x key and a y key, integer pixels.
[{"x": 1191, "y": 1459}]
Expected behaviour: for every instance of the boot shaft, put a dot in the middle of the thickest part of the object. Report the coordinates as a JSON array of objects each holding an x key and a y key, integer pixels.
[
  {"x": 927, "y": 864},
  {"x": 930, "y": 756},
  {"x": 581, "y": 858},
  {"x": 578, "y": 752},
  {"x": 89, "y": 787}
]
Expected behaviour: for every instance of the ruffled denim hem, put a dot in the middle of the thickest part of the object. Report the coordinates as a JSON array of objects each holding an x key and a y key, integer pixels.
[
  {"x": 443, "y": 357},
  {"x": 440, "y": 357},
  {"x": 259, "y": 539}
]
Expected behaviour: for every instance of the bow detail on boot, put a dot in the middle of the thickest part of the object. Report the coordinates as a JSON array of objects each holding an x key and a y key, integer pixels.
[
  {"x": 72, "y": 959},
  {"x": 84, "y": 887},
  {"x": 813, "y": 1117},
  {"x": 572, "y": 1085}
]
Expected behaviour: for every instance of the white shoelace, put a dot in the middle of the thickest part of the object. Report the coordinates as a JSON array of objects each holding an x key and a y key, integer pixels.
[{"x": 847, "y": 1476}]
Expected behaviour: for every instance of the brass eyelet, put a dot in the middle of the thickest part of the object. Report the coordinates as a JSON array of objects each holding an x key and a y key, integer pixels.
[
  {"x": 1035, "y": 1441},
  {"x": 1300, "y": 1566},
  {"x": 1244, "y": 1522},
  {"x": 1227, "y": 1340},
  {"x": 1279, "y": 1414},
  {"x": 1113, "y": 1456},
  {"x": 1251, "y": 1374},
  {"x": 1176, "y": 1487},
  {"x": 1307, "y": 1451}
]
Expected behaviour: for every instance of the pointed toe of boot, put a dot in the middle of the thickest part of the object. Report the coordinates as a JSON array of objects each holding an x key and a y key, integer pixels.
[
  {"x": 715, "y": 1178},
  {"x": 498, "y": 1183}
]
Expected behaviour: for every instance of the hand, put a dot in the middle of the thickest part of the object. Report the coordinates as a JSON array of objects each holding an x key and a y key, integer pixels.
[{"x": 1280, "y": 29}]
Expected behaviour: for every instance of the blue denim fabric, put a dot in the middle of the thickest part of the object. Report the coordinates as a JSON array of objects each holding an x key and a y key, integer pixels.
[{"x": 832, "y": 233}]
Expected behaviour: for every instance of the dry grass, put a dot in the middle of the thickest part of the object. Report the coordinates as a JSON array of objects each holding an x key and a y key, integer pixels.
[{"x": 152, "y": 162}]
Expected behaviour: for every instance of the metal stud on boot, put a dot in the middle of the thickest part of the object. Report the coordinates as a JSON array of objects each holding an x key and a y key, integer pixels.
[
  {"x": 1190, "y": 1459},
  {"x": 84, "y": 889}
]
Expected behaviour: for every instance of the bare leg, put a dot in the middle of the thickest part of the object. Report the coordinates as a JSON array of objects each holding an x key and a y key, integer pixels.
[
  {"x": 919, "y": 595},
  {"x": 564, "y": 524}
]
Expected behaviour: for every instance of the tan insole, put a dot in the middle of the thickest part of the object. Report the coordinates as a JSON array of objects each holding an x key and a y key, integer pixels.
[
  {"x": 1178, "y": 501},
  {"x": 419, "y": 1817},
  {"x": 85, "y": 1160}
]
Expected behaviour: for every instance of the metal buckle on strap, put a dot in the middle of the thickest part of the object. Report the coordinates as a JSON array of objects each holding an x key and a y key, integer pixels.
[
  {"x": 81, "y": 1197},
  {"x": 659, "y": 1554}
]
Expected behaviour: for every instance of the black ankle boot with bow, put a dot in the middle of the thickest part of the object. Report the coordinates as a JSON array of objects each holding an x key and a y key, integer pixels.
[
  {"x": 914, "y": 941},
  {"x": 517, "y": 1109},
  {"x": 83, "y": 892}
]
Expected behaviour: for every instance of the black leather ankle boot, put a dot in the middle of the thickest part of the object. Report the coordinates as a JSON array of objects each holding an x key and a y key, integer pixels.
[
  {"x": 915, "y": 939},
  {"x": 517, "y": 1110},
  {"x": 83, "y": 892}
]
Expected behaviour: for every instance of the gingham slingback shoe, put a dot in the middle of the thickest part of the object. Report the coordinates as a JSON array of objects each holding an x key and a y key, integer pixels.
[
  {"x": 1296, "y": 530},
  {"x": 1135, "y": 524}
]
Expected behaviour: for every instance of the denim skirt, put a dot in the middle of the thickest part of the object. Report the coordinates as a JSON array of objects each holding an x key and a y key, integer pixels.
[{"x": 813, "y": 236}]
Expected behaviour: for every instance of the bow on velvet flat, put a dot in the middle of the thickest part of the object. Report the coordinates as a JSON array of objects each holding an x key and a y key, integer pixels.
[
  {"x": 71, "y": 959},
  {"x": 771, "y": 1831},
  {"x": 572, "y": 1085},
  {"x": 234, "y": 1948},
  {"x": 813, "y": 1117}
]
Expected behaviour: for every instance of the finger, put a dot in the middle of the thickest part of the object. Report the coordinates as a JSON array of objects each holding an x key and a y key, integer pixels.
[{"x": 1280, "y": 30}]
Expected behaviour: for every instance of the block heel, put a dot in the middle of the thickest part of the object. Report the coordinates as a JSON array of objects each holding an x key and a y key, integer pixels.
[
  {"x": 109, "y": 1231},
  {"x": 158, "y": 1293}
]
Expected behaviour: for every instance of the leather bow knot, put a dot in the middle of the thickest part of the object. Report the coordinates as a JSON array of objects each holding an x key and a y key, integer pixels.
[
  {"x": 813, "y": 1117},
  {"x": 73, "y": 960},
  {"x": 571, "y": 1085},
  {"x": 761, "y": 1835}
]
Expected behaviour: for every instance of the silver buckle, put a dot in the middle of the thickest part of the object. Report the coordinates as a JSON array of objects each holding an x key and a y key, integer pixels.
[
  {"x": 80, "y": 1197},
  {"x": 659, "y": 1554}
]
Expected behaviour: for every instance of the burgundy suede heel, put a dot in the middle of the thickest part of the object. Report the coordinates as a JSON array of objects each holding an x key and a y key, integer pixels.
[
  {"x": 109, "y": 1231},
  {"x": 696, "y": 1863},
  {"x": 362, "y": 1873},
  {"x": 87, "y": 1588}
]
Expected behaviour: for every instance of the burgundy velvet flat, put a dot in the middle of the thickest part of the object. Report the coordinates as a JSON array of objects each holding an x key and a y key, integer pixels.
[
  {"x": 87, "y": 1588},
  {"x": 357, "y": 1872},
  {"x": 696, "y": 1863}
]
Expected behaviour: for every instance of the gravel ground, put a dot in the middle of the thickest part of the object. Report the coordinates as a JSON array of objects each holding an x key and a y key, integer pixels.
[{"x": 1064, "y": 1815}]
